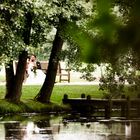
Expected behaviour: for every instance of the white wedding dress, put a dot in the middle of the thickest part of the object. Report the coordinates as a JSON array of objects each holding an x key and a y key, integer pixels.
[{"x": 36, "y": 77}]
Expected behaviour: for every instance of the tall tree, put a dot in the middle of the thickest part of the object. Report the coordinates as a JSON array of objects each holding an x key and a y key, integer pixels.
[
  {"x": 14, "y": 92},
  {"x": 23, "y": 27},
  {"x": 64, "y": 11},
  {"x": 46, "y": 90},
  {"x": 17, "y": 22}
]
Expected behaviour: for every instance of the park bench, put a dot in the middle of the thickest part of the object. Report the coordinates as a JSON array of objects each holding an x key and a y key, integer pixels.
[{"x": 63, "y": 73}]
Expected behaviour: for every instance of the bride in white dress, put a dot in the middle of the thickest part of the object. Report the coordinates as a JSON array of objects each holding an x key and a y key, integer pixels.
[{"x": 34, "y": 72}]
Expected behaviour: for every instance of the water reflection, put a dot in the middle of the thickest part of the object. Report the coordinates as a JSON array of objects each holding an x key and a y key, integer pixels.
[
  {"x": 33, "y": 132},
  {"x": 128, "y": 128},
  {"x": 13, "y": 130},
  {"x": 51, "y": 127}
]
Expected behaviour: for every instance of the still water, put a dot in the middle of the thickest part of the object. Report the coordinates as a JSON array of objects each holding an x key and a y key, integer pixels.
[{"x": 58, "y": 127}]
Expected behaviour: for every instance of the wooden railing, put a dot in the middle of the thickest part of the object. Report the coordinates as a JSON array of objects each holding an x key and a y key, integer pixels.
[{"x": 126, "y": 107}]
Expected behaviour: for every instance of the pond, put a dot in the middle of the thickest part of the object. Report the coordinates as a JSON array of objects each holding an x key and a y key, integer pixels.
[{"x": 60, "y": 127}]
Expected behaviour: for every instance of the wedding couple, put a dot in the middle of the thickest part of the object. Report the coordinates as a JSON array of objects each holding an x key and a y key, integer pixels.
[{"x": 33, "y": 71}]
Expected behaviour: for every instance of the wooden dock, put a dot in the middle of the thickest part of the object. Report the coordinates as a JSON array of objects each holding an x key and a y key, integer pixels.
[{"x": 125, "y": 107}]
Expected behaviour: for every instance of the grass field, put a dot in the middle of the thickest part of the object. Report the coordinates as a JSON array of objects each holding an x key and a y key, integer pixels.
[
  {"x": 73, "y": 91},
  {"x": 29, "y": 92}
]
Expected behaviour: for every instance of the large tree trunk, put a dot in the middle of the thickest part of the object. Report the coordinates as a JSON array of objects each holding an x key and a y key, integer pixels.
[
  {"x": 14, "y": 82},
  {"x": 19, "y": 77},
  {"x": 47, "y": 87},
  {"x": 9, "y": 79}
]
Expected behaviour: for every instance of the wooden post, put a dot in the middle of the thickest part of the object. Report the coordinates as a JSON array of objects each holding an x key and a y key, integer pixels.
[
  {"x": 108, "y": 109},
  {"x": 83, "y": 95},
  {"x": 65, "y": 98},
  {"x": 123, "y": 107},
  {"x": 88, "y": 105},
  {"x": 88, "y": 97},
  {"x": 138, "y": 105},
  {"x": 128, "y": 106}
]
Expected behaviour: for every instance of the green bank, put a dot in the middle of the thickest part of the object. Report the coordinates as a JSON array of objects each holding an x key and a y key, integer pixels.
[{"x": 28, "y": 104}]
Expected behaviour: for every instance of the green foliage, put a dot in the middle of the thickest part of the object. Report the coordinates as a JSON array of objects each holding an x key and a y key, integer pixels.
[
  {"x": 118, "y": 74},
  {"x": 12, "y": 22},
  {"x": 13, "y": 18},
  {"x": 112, "y": 82},
  {"x": 106, "y": 34},
  {"x": 45, "y": 16},
  {"x": 110, "y": 37}
]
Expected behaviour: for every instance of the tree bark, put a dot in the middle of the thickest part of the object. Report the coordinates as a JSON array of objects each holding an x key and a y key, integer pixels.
[
  {"x": 19, "y": 77},
  {"x": 47, "y": 87},
  {"x": 14, "y": 82},
  {"x": 9, "y": 79}
]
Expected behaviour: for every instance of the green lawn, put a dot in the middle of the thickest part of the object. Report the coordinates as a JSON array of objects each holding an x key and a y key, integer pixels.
[
  {"x": 73, "y": 91},
  {"x": 29, "y": 92}
]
